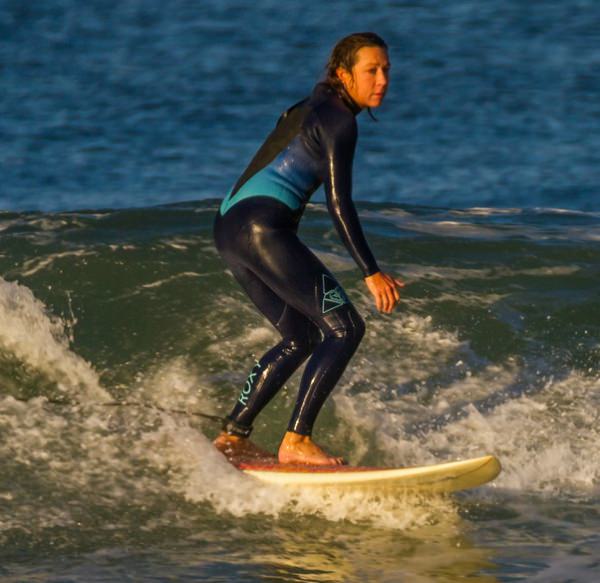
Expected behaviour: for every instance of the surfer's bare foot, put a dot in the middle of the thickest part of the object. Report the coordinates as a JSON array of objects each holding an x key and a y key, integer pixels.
[
  {"x": 241, "y": 449},
  {"x": 301, "y": 449}
]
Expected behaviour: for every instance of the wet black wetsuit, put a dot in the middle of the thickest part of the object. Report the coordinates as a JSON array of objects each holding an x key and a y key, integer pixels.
[{"x": 256, "y": 234}]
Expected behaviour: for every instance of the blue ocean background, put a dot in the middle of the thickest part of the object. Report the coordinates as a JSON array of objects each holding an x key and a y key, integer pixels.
[
  {"x": 123, "y": 124},
  {"x": 110, "y": 105}
]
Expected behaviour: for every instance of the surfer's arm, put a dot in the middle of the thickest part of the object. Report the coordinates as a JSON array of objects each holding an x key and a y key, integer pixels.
[{"x": 339, "y": 144}]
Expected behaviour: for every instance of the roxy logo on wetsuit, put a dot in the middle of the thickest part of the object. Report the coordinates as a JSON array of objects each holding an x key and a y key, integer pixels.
[
  {"x": 249, "y": 385},
  {"x": 333, "y": 295}
]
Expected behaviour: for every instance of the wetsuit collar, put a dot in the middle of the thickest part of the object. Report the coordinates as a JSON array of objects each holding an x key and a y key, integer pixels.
[
  {"x": 342, "y": 94},
  {"x": 352, "y": 105}
]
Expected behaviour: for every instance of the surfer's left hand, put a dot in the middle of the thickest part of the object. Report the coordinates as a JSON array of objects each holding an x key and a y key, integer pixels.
[{"x": 384, "y": 288}]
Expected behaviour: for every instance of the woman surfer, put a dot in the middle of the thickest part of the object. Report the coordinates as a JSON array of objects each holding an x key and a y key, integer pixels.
[{"x": 256, "y": 235}]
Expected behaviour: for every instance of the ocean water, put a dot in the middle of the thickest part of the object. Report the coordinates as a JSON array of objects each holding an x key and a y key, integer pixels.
[{"x": 123, "y": 124}]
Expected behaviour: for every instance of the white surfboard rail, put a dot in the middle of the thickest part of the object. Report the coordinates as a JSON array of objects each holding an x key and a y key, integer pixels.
[{"x": 444, "y": 477}]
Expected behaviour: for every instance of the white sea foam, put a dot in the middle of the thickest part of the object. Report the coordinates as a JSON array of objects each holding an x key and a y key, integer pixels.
[
  {"x": 35, "y": 337},
  {"x": 49, "y": 453},
  {"x": 387, "y": 407},
  {"x": 191, "y": 466},
  {"x": 34, "y": 265},
  {"x": 174, "y": 384},
  {"x": 122, "y": 247},
  {"x": 201, "y": 474},
  {"x": 232, "y": 339},
  {"x": 547, "y": 441},
  {"x": 419, "y": 271},
  {"x": 545, "y": 434},
  {"x": 468, "y": 223},
  {"x": 168, "y": 280},
  {"x": 335, "y": 261}
]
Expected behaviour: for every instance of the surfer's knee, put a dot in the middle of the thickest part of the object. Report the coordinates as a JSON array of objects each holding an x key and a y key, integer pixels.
[
  {"x": 349, "y": 330},
  {"x": 313, "y": 338},
  {"x": 303, "y": 345}
]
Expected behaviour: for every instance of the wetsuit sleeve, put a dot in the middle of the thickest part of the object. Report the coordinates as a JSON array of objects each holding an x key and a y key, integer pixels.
[{"x": 339, "y": 142}]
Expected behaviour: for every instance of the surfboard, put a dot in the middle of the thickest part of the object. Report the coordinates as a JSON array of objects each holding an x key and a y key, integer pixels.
[{"x": 437, "y": 478}]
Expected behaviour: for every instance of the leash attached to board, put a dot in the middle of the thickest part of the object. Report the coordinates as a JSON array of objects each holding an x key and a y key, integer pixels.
[{"x": 60, "y": 402}]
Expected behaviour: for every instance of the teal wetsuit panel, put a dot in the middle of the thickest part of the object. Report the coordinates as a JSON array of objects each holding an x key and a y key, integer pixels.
[
  {"x": 290, "y": 178},
  {"x": 265, "y": 183}
]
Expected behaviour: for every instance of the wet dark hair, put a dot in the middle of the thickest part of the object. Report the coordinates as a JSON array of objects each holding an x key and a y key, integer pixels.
[{"x": 344, "y": 55}]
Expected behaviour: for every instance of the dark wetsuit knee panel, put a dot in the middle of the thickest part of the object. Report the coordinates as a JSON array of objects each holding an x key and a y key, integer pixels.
[
  {"x": 325, "y": 367},
  {"x": 350, "y": 326},
  {"x": 307, "y": 342}
]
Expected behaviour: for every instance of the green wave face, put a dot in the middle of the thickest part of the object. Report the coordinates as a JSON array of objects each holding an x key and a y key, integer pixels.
[{"x": 493, "y": 350}]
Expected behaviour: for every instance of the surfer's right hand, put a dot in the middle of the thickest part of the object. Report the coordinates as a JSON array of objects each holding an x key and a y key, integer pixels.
[{"x": 384, "y": 288}]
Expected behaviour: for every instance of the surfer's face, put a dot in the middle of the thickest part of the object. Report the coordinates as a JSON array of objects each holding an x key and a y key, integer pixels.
[{"x": 368, "y": 81}]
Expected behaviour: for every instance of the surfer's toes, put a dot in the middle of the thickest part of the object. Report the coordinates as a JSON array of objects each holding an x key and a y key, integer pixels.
[{"x": 336, "y": 461}]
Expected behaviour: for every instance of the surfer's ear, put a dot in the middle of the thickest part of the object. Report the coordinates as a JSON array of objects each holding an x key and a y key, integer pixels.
[{"x": 345, "y": 77}]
